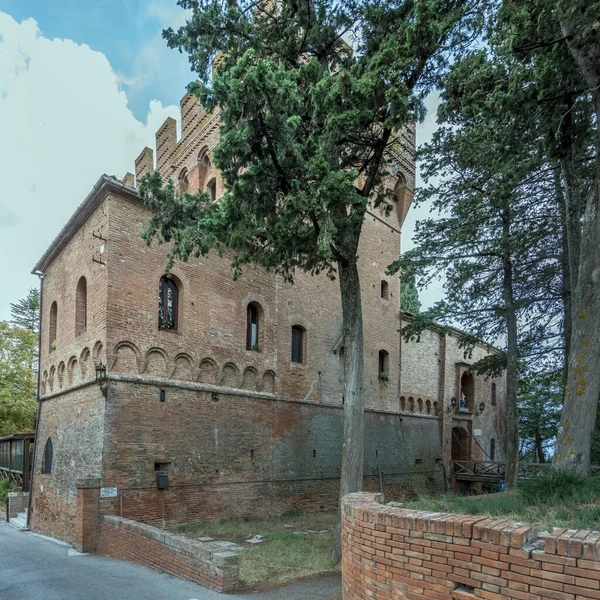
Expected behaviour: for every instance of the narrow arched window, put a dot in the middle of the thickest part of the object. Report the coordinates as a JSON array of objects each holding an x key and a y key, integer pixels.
[
  {"x": 53, "y": 322},
  {"x": 492, "y": 449},
  {"x": 385, "y": 290},
  {"x": 298, "y": 344},
  {"x": 252, "y": 324},
  {"x": 211, "y": 188},
  {"x": 493, "y": 394},
  {"x": 81, "y": 306},
  {"x": 183, "y": 181},
  {"x": 168, "y": 300},
  {"x": 47, "y": 458},
  {"x": 384, "y": 362}
]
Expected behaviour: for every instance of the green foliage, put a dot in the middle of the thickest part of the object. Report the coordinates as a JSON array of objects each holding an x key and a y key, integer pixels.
[
  {"x": 384, "y": 377},
  {"x": 540, "y": 403},
  {"x": 5, "y": 488},
  {"x": 26, "y": 312},
  {"x": 302, "y": 116},
  {"x": 17, "y": 379},
  {"x": 409, "y": 294},
  {"x": 558, "y": 486}
]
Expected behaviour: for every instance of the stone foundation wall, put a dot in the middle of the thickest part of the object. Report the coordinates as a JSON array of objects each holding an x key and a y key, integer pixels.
[
  {"x": 395, "y": 553},
  {"x": 202, "y": 563}
]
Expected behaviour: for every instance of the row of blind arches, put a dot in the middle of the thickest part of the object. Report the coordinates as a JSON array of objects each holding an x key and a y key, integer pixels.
[{"x": 418, "y": 406}]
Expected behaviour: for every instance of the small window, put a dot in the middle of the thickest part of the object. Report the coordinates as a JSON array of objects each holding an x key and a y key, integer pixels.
[
  {"x": 342, "y": 365},
  {"x": 252, "y": 323},
  {"x": 81, "y": 306},
  {"x": 47, "y": 459},
  {"x": 385, "y": 290},
  {"x": 168, "y": 299},
  {"x": 211, "y": 188},
  {"x": 492, "y": 449},
  {"x": 297, "y": 344},
  {"x": 384, "y": 362},
  {"x": 493, "y": 394},
  {"x": 53, "y": 321}
]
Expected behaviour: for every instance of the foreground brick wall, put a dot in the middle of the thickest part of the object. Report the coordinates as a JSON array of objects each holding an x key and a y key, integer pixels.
[
  {"x": 202, "y": 563},
  {"x": 394, "y": 553}
]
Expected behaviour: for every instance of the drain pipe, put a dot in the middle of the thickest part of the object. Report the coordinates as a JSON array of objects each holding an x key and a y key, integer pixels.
[
  {"x": 320, "y": 388},
  {"x": 39, "y": 403}
]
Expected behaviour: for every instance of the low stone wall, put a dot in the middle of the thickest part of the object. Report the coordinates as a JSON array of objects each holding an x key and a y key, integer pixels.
[
  {"x": 397, "y": 553},
  {"x": 17, "y": 503},
  {"x": 202, "y": 563}
]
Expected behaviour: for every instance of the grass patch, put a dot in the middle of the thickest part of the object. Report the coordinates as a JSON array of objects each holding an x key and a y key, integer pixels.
[
  {"x": 552, "y": 500},
  {"x": 283, "y": 556}
]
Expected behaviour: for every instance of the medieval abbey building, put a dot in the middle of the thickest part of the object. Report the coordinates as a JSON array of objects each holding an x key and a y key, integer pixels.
[{"x": 192, "y": 397}]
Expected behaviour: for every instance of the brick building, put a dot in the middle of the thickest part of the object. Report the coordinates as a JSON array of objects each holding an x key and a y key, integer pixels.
[{"x": 234, "y": 390}]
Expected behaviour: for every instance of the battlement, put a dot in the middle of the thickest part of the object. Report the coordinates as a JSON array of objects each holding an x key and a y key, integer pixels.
[{"x": 186, "y": 160}]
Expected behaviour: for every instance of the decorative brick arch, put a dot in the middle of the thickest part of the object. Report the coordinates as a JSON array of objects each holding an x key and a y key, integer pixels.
[
  {"x": 208, "y": 371},
  {"x": 183, "y": 367},
  {"x": 127, "y": 358}
]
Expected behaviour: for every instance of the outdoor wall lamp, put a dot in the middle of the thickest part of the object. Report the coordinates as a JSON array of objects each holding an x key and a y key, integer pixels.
[
  {"x": 102, "y": 379},
  {"x": 481, "y": 408},
  {"x": 452, "y": 404}
]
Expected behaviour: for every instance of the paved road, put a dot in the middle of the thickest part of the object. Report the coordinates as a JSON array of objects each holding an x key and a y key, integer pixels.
[{"x": 33, "y": 568}]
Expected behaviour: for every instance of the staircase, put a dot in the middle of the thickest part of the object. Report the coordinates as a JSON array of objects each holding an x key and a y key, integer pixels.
[{"x": 20, "y": 521}]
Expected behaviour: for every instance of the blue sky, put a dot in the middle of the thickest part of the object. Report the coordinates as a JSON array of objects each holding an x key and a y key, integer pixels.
[
  {"x": 127, "y": 32},
  {"x": 84, "y": 86}
]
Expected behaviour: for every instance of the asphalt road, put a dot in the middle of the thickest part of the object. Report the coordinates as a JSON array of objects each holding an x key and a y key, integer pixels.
[{"x": 34, "y": 568}]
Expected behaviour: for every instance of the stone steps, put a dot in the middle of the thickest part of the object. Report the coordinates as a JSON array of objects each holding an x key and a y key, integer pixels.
[{"x": 20, "y": 521}]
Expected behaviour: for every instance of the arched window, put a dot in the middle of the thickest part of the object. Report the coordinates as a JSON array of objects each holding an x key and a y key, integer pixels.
[
  {"x": 492, "y": 449},
  {"x": 428, "y": 407},
  {"x": 168, "y": 300},
  {"x": 47, "y": 458},
  {"x": 53, "y": 321},
  {"x": 298, "y": 344},
  {"x": 385, "y": 290},
  {"x": 211, "y": 188},
  {"x": 384, "y": 362},
  {"x": 183, "y": 181},
  {"x": 252, "y": 325},
  {"x": 342, "y": 365},
  {"x": 81, "y": 306},
  {"x": 493, "y": 394}
]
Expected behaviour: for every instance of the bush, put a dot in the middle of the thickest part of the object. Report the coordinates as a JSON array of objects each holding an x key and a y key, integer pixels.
[
  {"x": 559, "y": 486},
  {"x": 5, "y": 488}
]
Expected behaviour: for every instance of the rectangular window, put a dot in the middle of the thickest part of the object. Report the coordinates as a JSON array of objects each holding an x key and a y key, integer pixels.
[{"x": 297, "y": 342}]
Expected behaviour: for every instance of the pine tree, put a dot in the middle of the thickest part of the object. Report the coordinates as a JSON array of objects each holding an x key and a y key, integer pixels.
[
  {"x": 307, "y": 125},
  {"x": 26, "y": 312}
]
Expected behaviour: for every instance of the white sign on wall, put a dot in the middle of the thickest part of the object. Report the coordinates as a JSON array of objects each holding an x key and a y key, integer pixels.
[
  {"x": 108, "y": 492},
  {"x": 477, "y": 432}
]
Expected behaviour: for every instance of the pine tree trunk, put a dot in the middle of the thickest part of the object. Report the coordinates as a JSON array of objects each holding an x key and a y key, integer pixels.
[
  {"x": 512, "y": 364},
  {"x": 578, "y": 418},
  {"x": 539, "y": 448},
  {"x": 354, "y": 393}
]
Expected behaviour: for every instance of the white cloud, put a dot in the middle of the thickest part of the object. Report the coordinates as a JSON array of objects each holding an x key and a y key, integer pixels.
[{"x": 63, "y": 122}]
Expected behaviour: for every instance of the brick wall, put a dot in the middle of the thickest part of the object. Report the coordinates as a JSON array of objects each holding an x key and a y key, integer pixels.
[
  {"x": 17, "y": 503},
  {"x": 394, "y": 553},
  {"x": 203, "y": 563}
]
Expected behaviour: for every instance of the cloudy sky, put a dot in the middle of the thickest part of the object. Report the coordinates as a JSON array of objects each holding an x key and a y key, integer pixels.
[{"x": 83, "y": 88}]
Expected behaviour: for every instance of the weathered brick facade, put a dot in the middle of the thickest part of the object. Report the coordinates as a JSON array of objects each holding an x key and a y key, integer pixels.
[
  {"x": 238, "y": 431},
  {"x": 395, "y": 553}
]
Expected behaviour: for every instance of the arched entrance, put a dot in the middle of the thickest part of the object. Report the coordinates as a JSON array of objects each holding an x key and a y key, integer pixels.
[{"x": 461, "y": 446}]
